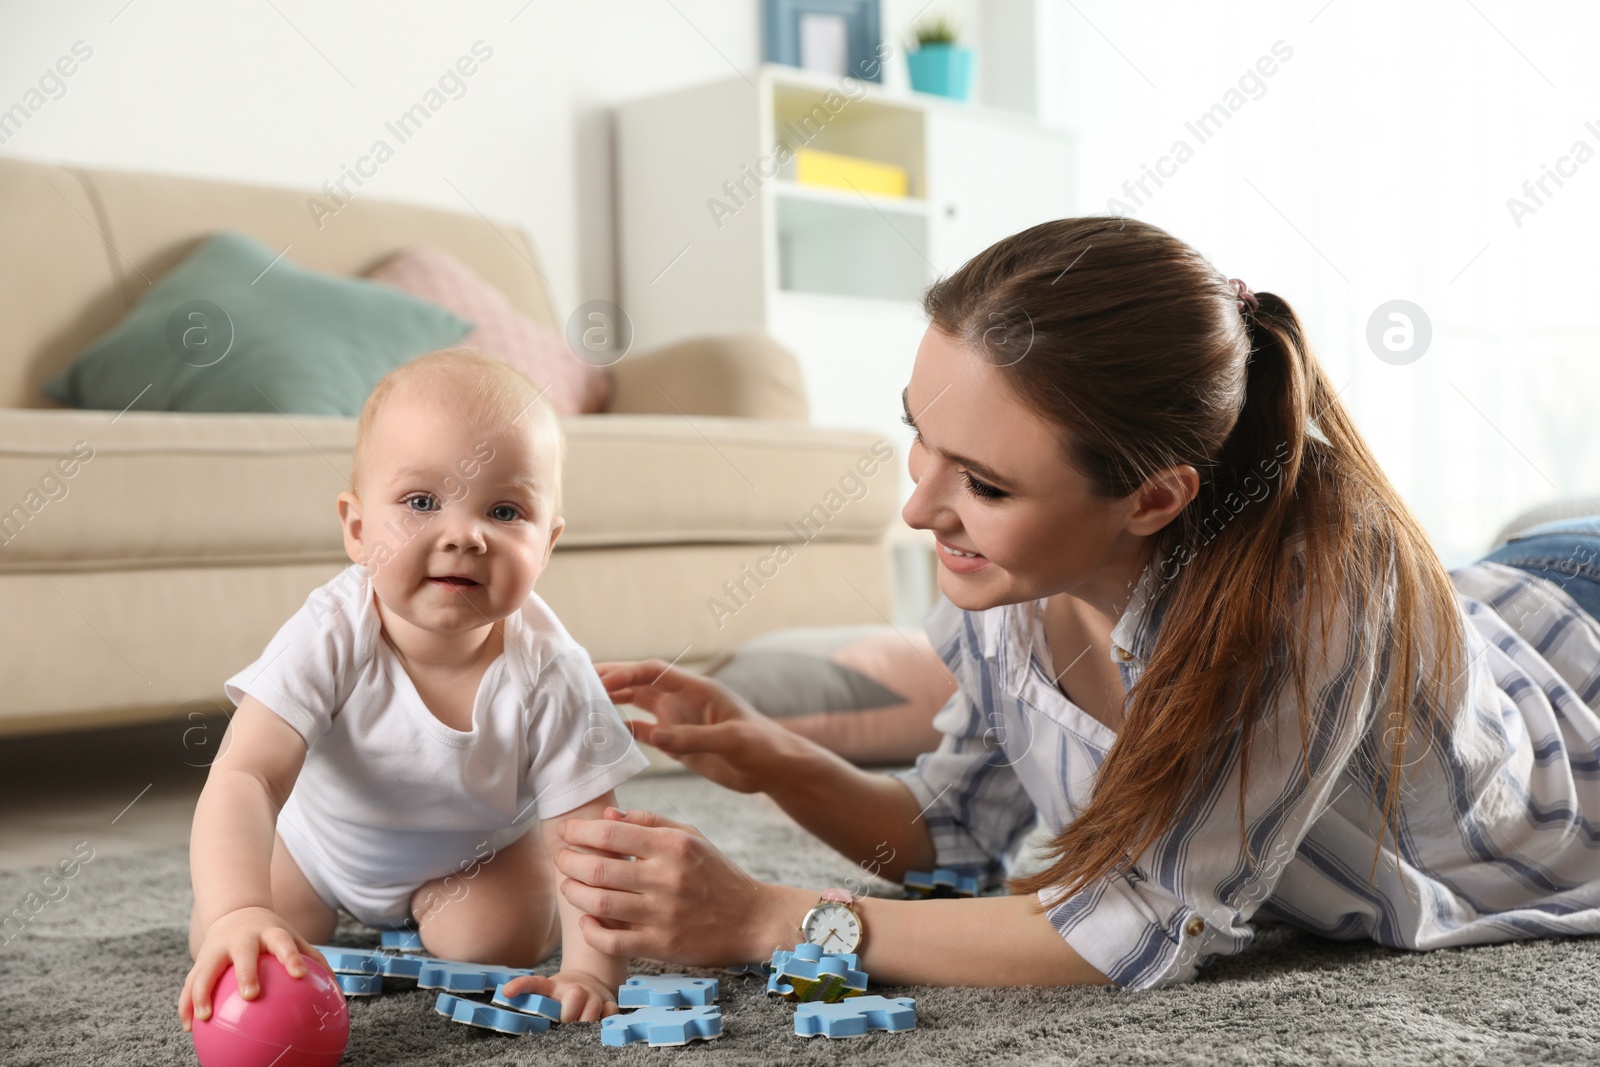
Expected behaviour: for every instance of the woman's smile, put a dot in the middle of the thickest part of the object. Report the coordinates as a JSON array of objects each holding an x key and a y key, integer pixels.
[{"x": 959, "y": 560}]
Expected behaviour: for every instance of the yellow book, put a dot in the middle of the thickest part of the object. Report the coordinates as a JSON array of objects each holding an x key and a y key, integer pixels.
[{"x": 845, "y": 172}]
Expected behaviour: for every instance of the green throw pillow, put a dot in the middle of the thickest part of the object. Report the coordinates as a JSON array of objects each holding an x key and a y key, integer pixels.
[{"x": 236, "y": 328}]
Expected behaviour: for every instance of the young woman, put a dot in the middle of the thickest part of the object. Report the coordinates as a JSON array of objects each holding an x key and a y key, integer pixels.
[{"x": 1196, "y": 631}]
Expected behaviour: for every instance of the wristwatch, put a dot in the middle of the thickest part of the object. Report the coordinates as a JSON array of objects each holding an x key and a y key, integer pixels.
[{"x": 834, "y": 923}]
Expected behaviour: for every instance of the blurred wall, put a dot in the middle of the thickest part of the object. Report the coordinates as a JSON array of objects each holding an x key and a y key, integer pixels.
[{"x": 290, "y": 92}]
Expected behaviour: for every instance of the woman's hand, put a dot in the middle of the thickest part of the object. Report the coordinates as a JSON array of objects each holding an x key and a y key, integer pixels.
[
  {"x": 700, "y": 722},
  {"x": 682, "y": 901},
  {"x": 679, "y": 901},
  {"x": 239, "y": 937}
]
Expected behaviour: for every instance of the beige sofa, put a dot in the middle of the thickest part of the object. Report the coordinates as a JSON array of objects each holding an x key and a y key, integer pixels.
[{"x": 165, "y": 562}]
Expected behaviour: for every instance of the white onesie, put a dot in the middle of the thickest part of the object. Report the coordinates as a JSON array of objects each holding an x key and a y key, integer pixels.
[{"x": 389, "y": 797}]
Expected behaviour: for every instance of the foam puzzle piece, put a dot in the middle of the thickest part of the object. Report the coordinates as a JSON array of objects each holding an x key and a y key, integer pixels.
[
  {"x": 360, "y": 985},
  {"x": 941, "y": 882},
  {"x": 350, "y": 960},
  {"x": 662, "y": 1026},
  {"x": 808, "y": 974},
  {"x": 855, "y": 1017},
  {"x": 759, "y": 970},
  {"x": 454, "y": 977},
  {"x": 487, "y": 1017},
  {"x": 529, "y": 1003},
  {"x": 851, "y": 960},
  {"x": 401, "y": 940},
  {"x": 666, "y": 991},
  {"x": 499, "y": 976},
  {"x": 369, "y": 968},
  {"x": 404, "y": 966}
]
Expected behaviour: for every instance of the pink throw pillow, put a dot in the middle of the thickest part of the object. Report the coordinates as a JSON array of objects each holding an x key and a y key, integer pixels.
[{"x": 573, "y": 387}]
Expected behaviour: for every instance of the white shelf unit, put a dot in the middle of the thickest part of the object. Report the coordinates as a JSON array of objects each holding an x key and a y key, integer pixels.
[{"x": 714, "y": 238}]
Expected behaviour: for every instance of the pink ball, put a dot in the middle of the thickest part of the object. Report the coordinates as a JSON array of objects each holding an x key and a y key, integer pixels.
[{"x": 292, "y": 1022}]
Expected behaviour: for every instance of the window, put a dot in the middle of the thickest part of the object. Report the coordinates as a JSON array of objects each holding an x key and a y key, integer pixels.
[{"x": 1444, "y": 153}]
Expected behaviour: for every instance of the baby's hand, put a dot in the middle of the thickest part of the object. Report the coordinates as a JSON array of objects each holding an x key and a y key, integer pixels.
[
  {"x": 584, "y": 998},
  {"x": 238, "y": 938}
]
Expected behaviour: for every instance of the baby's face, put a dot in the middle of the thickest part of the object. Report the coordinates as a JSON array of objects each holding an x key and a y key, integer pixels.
[{"x": 453, "y": 521}]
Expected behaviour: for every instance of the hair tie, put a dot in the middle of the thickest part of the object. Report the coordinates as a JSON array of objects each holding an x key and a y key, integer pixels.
[{"x": 1245, "y": 296}]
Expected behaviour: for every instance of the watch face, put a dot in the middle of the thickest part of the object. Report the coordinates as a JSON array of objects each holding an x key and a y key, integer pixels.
[{"x": 833, "y": 926}]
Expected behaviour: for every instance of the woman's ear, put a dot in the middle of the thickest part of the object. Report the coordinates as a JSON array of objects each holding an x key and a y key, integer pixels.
[
  {"x": 1162, "y": 497},
  {"x": 349, "y": 506}
]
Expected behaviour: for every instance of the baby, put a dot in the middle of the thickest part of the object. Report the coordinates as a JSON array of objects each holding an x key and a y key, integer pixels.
[{"x": 392, "y": 741}]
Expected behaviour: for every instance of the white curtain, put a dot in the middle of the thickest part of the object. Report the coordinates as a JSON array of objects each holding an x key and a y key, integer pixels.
[{"x": 1376, "y": 162}]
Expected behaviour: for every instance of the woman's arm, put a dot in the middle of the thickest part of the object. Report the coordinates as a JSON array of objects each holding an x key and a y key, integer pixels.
[
  {"x": 682, "y": 900},
  {"x": 718, "y": 735},
  {"x": 828, "y": 797},
  {"x": 832, "y": 798},
  {"x": 984, "y": 941}
]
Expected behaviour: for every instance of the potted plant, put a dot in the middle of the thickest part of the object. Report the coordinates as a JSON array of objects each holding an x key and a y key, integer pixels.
[{"x": 940, "y": 65}]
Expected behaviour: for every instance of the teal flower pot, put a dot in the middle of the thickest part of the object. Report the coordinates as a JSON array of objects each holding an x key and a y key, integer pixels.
[{"x": 942, "y": 69}]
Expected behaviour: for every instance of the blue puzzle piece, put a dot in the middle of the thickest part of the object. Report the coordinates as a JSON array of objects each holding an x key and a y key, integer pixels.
[
  {"x": 851, "y": 960},
  {"x": 453, "y": 978},
  {"x": 350, "y": 960},
  {"x": 808, "y": 974},
  {"x": 499, "y": 976},
  {"x": 941, "y": 882},
  {"x": 360, "y": 985},
  {"x": 489, "y": 1018},
  {"x": 456, "y": 977},
  {"x": 666, "y": 991},
  {"x": 404, "y": 966},
  {"x": 529, "y": 1003},
  {"x": 401, "y": 940},
  {"x": 856, "y": 1016},
  {"x": 759, "y": 970},
  {"x": 662, "y": 1026}
]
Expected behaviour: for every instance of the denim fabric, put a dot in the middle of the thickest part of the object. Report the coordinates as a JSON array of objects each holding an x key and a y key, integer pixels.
[{"x": 1565, "y": 552}]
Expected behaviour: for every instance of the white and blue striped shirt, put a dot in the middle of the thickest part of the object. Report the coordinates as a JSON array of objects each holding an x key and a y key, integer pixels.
[{"x": 1495, "y": 842}]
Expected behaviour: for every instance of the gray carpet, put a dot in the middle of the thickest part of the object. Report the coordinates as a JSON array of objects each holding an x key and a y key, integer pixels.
[{"x": 95, "y": 980}]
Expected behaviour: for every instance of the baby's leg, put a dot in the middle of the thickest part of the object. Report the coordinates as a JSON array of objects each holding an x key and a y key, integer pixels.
[
  {"x": 292, "y": 898},
  {"x": 501, "y": 910}
]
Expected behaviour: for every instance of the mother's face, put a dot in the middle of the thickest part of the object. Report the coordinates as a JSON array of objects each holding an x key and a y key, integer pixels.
[{"x": 991, "y": 479}]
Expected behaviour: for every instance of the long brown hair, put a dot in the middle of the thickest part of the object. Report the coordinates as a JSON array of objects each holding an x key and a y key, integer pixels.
[{"x": 1136, "y": 347}]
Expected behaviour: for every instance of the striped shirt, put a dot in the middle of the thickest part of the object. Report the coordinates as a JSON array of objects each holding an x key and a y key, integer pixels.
[{"x": 1495, "y": 844}]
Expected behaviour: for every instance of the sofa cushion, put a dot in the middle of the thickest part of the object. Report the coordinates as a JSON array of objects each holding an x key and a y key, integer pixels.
[
  {"x": 573, "y": 386},
  {"x": 240, "y": 327},
  {"x": 58, "y": 287},
  {"x": 89, "y": 490},
  {"x": 88, "y": 648},
  {"x": 86, "y": 244}
]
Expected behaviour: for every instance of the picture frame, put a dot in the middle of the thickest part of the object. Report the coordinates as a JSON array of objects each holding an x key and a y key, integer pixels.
[{"x": 837, "y": 37}]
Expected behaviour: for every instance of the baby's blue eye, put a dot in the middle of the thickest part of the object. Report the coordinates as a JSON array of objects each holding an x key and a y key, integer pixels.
[
  {"x": 503, "y": 512},
  {"x": 427, "y": 502}
]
